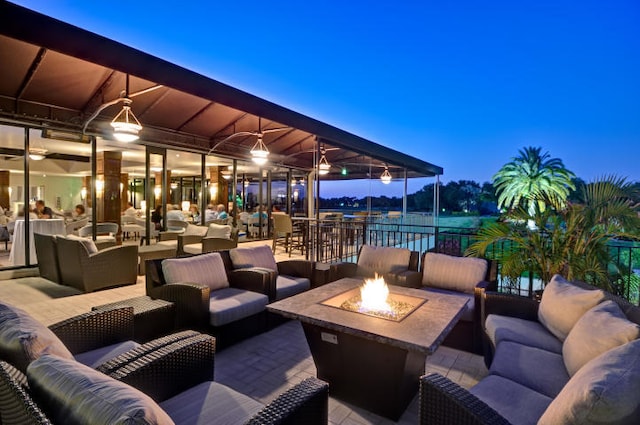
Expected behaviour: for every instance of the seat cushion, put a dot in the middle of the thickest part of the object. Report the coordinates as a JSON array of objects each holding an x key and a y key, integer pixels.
[
  {"x": 540, "y": 370},
  {"x": 287, "y": 286},
  {"x": 563, "y": 304},
  {"x": 605, "y": 390},
  {"x": 600, "y": 329},
  {"x": 527, "y": 332},
  {"x": 72, "y": 393},
  {"x": 219, "y": 231},
  {"x": 206, "y": 269},
  {"x": 461, "y": 274},
  {"x": 516, "y": 403},
  {"x": 468, "y": 314},
  {"x": 259, "y": 256},
  {"x": 382, "y": 260},
  {"x": 23, "y": 339},
  {"x": 193, "y": 248},
  {"x": 211, "y": 403},
  {"x": 230, "y": 304},
  {"x": 95, "y": 358}
]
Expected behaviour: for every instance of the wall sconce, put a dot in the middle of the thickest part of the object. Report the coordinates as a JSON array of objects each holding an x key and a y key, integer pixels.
[
  {"x": 185, "y": 206},
  {"x": 213, "y": 190},
  {"x": 83, "y": 193},
  {"x": 99, "y": 186},
  {"x": 121, "y": 187},
  {"x": 143, "y": 205},
  {"x": 157, "y": 191},
  {"x": 296, "y": 194}
]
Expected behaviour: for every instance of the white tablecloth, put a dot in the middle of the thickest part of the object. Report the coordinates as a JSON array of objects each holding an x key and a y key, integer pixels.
[{"x": 46, "y": 227}]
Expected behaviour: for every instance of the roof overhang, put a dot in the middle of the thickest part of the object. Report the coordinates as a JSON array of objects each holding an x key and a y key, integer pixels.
[{"x": 57, "y": 75}]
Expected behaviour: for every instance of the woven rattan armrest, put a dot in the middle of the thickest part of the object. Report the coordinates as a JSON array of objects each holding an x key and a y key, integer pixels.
[
  {"x": 306, "y": 403},
  {"x": 191, "y": 301},
  {"x": 508, "y": 305},
  {"x": 187, "y": 240},
  {"x": 116, "y": 363},
  {"x": 16, "y": 405},
  {"x": 171, "y": 369},
  {"x": 95, "y": 329},
  {"x": 254, "y": 279},
  {"x": 445, "y": 402},
  {"x": 406, "y": 278},
  {"x": 297, "y": 268},
  {"x": 341, "y": 270}
]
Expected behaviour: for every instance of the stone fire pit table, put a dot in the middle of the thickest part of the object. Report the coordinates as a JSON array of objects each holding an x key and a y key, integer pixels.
[{"x": 371, "y": 362}]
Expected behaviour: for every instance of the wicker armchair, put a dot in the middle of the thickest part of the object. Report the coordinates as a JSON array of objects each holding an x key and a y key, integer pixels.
[
  {"x": 193, "y": 301},
  {"x": 172, "y": 376},
  {"x": 111, "y": 267}
]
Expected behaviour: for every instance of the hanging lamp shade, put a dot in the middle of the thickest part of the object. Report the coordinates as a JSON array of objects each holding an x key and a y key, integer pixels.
[
  {"x": 37, "y": 154},
  {"x": 324, "y": 165},
  {"x": 125, "y": 125},
  {"x": 386, "y": 176},
  {"x": 259, "y": 152}
]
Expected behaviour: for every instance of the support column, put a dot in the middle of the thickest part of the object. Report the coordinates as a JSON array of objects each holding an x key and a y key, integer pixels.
[
  {"x": 5, "y": 200},
  {"x": 108, "y": 192},
  {"x": 124, "y": 193}
]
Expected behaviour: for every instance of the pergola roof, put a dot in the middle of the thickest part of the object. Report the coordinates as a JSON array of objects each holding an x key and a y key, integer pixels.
[{"x": 57, "y": 74}]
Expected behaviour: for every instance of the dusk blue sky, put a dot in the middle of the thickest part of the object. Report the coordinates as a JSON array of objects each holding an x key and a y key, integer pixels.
[{"x": 462, "y": 84}]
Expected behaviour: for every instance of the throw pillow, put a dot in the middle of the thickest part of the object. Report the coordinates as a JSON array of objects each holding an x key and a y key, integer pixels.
[
  {"x": 259, "y": 256},
  {"x": 605, "y": 390},
  {"x": 219, "y": 231},
  {"x": 563, "y": 304},
  {"x": 460, "y": 274},
  {"x": 382, "y": 260},
  {"x": 600, "y": 329},
  {"x": 192, "y": 229},
  {"x": 88, "y": 243},
  {"x": 72, "y": 393},
  {"x": 23, "y": 339},
  {"x": 205, "y": 269}
]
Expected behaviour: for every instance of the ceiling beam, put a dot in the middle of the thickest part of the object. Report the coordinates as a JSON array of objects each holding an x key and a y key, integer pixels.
[{"x": 31, "y": 72}]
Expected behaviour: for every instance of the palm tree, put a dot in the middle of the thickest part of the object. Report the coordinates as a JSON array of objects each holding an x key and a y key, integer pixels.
[
  {"x": 572, "y": 241},
  {"x": 533, "y": 180}
]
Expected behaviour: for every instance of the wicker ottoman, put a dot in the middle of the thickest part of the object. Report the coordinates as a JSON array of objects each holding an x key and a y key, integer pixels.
[
  {"x": 151, "y": 318},
  {"x": 153, "y": 252}
]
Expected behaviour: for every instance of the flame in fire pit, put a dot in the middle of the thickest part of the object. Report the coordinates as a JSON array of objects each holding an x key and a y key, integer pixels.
[{"x": 374, "y": 294}]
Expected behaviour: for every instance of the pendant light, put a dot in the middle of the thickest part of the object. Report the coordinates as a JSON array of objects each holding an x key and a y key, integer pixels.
[
  {"x": 386, "y": 176},
  {"x": 125, "y": 125}
]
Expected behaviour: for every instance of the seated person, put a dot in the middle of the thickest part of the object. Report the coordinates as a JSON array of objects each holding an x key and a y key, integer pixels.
[
  {"x": 174, "y": 213},
  {"x": 130, "y": 211},
  {"x": 210, "y": 213},
  {"x": 42, "y": 210},
  {"x": 195, "y": 213},
  {"x": 222, "y": 214},
  {"x": 79, "y": 212}
]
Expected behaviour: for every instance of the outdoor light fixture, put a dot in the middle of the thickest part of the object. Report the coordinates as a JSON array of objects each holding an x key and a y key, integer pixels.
[
  {"x": 226, "y": 174},
  {"x": 259, "y": 152},
  {"x": 344, "y": 171},
  {"x": 185, "y": 206},
  {"x": 125, "y": 125},
  {"x": 323, "y": 165},
  {"x": 156, "y": 191},
  {"x": 386, "y": 176}
]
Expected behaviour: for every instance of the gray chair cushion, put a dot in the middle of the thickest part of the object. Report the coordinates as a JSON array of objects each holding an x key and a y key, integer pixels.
[
  {"x": 259, "y": 256},
  {"x": 287, "y": 286},
  {"x": 23, "y": 339},
  {"x": 527, "y": 332},
  {"x": 460, "y": 274},
  {"x": 211, "y": 403},
  {"x": 468, "y": 314},
  {"x": 230, "y": 304},
  {"x": 563, "y": 304},
  {"x": 605, "y": 390},
  {"x": 206, "y": 269},
  {"x": 516, "y": 403},
  {"x": 600, "y": 329},
  {"x": 382, "y": 260},
  {"x": 540, "y": 370},
  {"x": 95, "y": 358},
  {"x": 74, "y": 394},
  {"x": 88, "y": 243}
]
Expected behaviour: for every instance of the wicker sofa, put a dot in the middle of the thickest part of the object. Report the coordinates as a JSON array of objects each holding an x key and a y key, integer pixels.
[
  {"x": 572, "y": 358},
  {"x": 211, "y": 296},
  {"x": 173, "y": 384}
]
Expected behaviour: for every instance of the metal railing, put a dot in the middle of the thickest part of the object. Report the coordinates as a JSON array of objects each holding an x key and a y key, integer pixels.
[{"x": 330, "y": 240}]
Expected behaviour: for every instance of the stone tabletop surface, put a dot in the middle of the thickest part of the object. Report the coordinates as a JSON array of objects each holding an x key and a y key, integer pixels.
[{"x": 422, "y": 331}]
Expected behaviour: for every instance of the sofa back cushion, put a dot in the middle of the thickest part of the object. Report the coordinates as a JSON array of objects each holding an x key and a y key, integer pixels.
[
  {"x": 88, "y": 243},
  {"x": 563, "y": 304},
  {"x": 205, "y": 269},
  {"x": 259, "y": 256},
  {"x": 23, "y": 339},
  {"x": 72, "y": 393},
  {"x": 600, "y": 329},
  {"x": 605, "y": 390},
  {"x": 460, "y": 274},
  {"x": 192, "y": 229},
  {"x": 222, "y": 231},
  {"x": 382, "y": 260}
]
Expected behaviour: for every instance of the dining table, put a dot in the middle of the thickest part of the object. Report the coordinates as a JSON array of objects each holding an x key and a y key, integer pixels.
[{"x": 18, "y": 243}]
